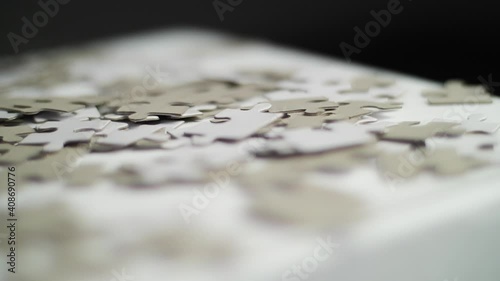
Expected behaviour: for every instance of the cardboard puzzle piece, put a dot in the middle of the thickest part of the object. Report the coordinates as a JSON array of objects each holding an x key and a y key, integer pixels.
[
  {"x": 141, "y": 111},
  {"x": 240, "y": 124},
  {"x": 80, "y": 114},
  {"x": 84, "y": 175},
  {"x": 301, "y": 203},
  {"x": 122, "y": 138},
  {"x": 307, "y": 105},
  {"x": 409, "y": 132},
  {"x": 14, "y": 134},
  {"x": 355, "y": 109},
  {"x": 300, "y": 120},
  {"x": 7, "y": 116},
  {"x": 456, "y": 92},
  {"x": 111, "y": 127},
  {"x": 443, "y": 161},
  {"x": 52, "y": 166},
  {"x": 330, "y": 161},
  {"x": 13, "y": 154},
  {"x": 482, "y": 147},
  {"x": 365, "y": 83},
  {"x": 120, "y": 117},
  {"x": 35, "y": 105},
  {"x": 64, "y": 132},
  {"x": 309, "y": 141},
  {"x": 475, "y": 123}
]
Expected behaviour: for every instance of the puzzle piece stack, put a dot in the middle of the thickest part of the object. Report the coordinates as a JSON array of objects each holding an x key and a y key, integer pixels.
[{"x": 289, "y": 139}]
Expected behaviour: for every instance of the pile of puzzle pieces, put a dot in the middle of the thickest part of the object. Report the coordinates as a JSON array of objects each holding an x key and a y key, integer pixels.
[
  {"x": 320, "y": 125},
  {"x": 203, "y": 142}
]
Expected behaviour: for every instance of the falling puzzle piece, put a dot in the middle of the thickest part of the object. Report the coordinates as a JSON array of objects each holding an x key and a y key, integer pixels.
[
  {"x": 34, "y": 105},
  {"x": 13, "y": 154},
  {"x": 66, "y": 131},
  {"x": 456, "y": 92},
  {"x": 14, "y": 134},
  {"x": 240, "y": 125},
  {"x": 443, "y": 161},
  {"x": 307, "y": 105},
  {"x": 355, "y": 109},
  {"x": 408, "y": 132}
]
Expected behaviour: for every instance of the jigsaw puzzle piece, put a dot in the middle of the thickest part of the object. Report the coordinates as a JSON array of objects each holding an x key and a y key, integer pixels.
[
  {"x": 7, "y": 116},
  {"x": 123, "y": 138},
  {"x": 14, "y": 134},
  {"x": 31, "y": 106},
  {"x": 63, "y": 132},
  {"x": 14, "y": 154},
  {"x": 308, "y": 105},
  {"x": 355, "y": 109},
  {"x": 456, "y": 92},
  {"x": 240, "y": 124},
  {"x": 309, "y": 141}
]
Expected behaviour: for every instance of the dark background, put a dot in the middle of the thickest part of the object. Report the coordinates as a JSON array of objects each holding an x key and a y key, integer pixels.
[{"x": 433, "y": 39}]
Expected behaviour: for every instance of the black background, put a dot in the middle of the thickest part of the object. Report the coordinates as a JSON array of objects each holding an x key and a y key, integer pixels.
[{"x": 432, "y": 39}]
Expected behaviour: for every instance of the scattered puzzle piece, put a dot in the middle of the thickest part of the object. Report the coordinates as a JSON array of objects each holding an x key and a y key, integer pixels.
[
  {"x": 14, "y": 134},
  {"x": 456, "y": 92},
  {"x": 7, "y": 116},
  {"x": 408, "y": 132},
  {"x": 123, "y": 138},
  {"x": 35, "y": 105},
  {"x": 355, "y": 109},
  {"x": 443, "y": 161},
  {"x": 66, "y": 131},
  {"x": 308, "y": 141},
  {"x": 307, "y": 105},
  {"x": 13, "y": 154},
  {"x": 241, "y": 124}
]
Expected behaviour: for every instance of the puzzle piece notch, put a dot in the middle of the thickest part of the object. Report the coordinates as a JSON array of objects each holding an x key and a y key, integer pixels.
[
  {"x": 456, "y": 92},
  {"x": 408, "y": 132},
  {"x": 138, "y": 112}
]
